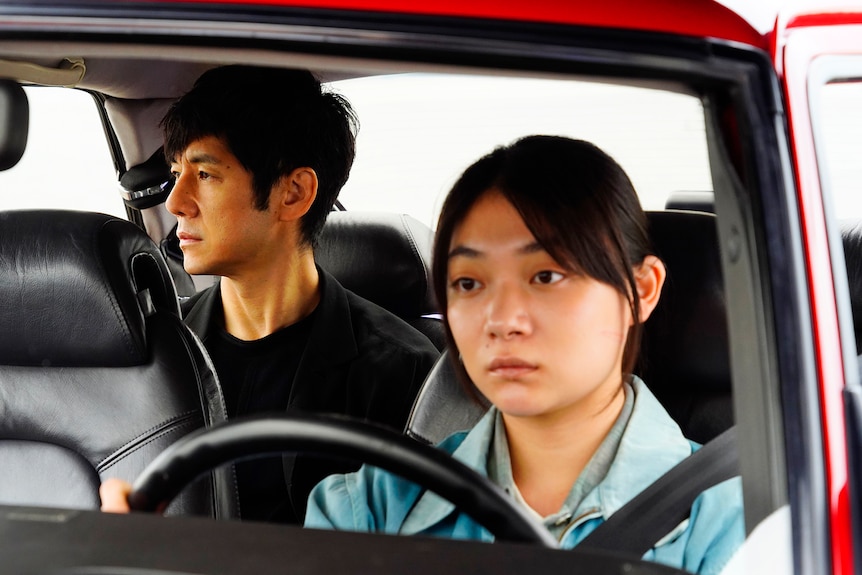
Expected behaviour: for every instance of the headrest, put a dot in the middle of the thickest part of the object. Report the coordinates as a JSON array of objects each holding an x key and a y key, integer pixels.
[
  {"x": 75, "y": 289},
  {"x": 851, "y": 236},
  {"x": 382, "y": 257},
  {"x": 686, "y": 346},
  {"x": 148, "y": 184},
  {"x": 691, "y": 201},
  {"x": 14, "y": 123}
]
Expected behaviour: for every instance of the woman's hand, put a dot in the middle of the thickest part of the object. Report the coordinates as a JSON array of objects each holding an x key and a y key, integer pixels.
[{"x": 114, "y": 494}]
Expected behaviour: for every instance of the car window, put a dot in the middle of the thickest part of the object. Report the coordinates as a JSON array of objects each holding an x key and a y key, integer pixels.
[
  {"x": 67, "y": 163},
  {"x": 840, "y": 148},
  {"x": 419, "y": 131}
]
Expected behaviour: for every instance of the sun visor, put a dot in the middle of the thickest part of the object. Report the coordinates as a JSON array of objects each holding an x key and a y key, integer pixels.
[
  {"x": 148, "y": 184},
  {"x": 14, "y": 123}
]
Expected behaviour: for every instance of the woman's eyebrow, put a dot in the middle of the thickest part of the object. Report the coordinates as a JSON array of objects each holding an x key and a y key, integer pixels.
[
  {"x": 468, "y": 252},
  {"x": 464, "y": 251}
]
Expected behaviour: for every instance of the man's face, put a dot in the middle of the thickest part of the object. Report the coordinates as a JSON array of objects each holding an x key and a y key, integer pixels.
[{"x": 220, "y": 230}]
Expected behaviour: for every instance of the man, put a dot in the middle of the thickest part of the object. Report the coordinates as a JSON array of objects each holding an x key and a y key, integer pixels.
[{"x": 259, "y": 156}]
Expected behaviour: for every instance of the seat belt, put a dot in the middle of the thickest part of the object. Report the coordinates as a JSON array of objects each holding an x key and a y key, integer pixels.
[{"x": 658, "y": 509}]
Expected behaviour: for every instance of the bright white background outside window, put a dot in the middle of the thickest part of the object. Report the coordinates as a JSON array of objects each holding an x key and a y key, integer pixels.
[
  {"x": 420, "y": 131},
  {"x": 840, "y": 120},
  {"x": 67, "y": 163}
]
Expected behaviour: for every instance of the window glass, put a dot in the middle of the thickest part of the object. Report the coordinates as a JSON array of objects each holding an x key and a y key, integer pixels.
[
  {"x": 420, "y": 131},
  {"x": 839, "y": 153},
  {"x": 67, "y": 163}
]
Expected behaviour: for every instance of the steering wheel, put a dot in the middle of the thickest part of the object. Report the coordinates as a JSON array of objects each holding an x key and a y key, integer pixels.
[{"x": 427, "y": 466}]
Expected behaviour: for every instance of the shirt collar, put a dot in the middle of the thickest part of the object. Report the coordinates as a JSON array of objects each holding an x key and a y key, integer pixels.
[{"x": 500, "y": 466}]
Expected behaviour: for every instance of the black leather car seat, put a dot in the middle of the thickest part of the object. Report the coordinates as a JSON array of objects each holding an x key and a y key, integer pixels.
[
  {"x": 385, "y": 258},
  {"x": 98, "y": 374},
  {"x": 685, "y": 353}
]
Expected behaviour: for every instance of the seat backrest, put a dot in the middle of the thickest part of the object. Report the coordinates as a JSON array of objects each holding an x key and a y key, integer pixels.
[
  {"x": 685, "y": 353},
  {"x": 385, "y": 258},
  {"x": 98, "y": 374}
]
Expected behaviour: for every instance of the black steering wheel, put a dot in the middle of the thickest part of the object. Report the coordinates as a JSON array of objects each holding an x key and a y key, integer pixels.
[{"x": 206, "y": 449}]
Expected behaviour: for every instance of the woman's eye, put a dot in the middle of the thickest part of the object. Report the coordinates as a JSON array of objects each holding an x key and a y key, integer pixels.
[
  {"x": 465, "y": 284},
  {"x": 547, "y": 277}
]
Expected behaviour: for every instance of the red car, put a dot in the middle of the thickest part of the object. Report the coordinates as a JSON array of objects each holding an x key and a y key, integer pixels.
[{"x": 751, "y": 121}]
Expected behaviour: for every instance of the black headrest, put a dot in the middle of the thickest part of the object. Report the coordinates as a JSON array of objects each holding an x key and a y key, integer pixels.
[
  {"x": 691, "y": 201},
  {"x": 148, "y": 184},
  {"x": 14, "y": 123},
  {"x": 851, "y": 235},
  {"x": 75, "y": 289},
  {"x": 686, "y": 346},
  {"x": 382, "y": 257}
]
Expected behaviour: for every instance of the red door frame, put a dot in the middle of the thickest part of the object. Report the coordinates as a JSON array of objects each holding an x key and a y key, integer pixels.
[{"x": 798, "y": 42}]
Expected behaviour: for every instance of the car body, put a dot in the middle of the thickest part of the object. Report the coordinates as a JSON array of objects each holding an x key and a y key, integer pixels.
[{"x": 762, "y": 93}]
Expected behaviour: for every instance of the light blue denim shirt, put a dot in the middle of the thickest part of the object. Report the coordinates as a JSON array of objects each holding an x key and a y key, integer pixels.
[{"x": 376, "y": 501}]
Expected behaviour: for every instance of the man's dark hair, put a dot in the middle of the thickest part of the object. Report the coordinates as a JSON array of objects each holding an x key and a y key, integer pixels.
[{"x": 273, "y": 120}]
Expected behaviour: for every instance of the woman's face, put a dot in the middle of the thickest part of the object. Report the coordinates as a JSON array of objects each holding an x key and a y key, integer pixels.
[{"x": 536, "y": 339}]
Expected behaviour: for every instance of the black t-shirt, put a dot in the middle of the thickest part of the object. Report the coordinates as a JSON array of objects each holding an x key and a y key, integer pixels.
[{"x": 256, "y": 377}]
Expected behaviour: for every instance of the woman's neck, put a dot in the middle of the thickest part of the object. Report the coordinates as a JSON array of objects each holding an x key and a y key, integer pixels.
[{"x": 549, "y": 452}]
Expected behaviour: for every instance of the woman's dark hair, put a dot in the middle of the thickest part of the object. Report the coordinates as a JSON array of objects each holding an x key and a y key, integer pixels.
[
  {"x": 273, "y": 120},
  {"x": 578, "y": 203}
]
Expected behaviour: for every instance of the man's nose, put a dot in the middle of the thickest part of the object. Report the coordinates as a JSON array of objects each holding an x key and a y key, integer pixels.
[{"x": 179, "y": 201}]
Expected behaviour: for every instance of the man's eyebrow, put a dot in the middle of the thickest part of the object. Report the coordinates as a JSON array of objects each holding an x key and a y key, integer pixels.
[
  {"x": 204, "y": 158},
  {"x": 468, "y": 252}
]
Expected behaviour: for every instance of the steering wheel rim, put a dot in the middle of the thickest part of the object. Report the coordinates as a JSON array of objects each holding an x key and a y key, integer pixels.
[{"x": 343, "y": 438}]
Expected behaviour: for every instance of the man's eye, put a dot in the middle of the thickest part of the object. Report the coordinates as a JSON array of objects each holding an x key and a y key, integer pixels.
[
  {"x": 547, "y": 277},
  {"x": 203, "y": 175},
  {"x": 465, "y": 284}
]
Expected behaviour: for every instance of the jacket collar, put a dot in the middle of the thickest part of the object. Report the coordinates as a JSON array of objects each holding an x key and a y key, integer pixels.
[
  {"x": 651, "y": 444},
  {"x": 331, "y": 342}
]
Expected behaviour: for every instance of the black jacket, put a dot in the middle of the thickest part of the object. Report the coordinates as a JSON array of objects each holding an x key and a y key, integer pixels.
[{"x": 361, "y": 361}]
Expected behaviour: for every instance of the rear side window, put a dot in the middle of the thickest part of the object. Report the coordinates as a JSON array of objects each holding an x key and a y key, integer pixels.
[{"x": 67, "y": 163}]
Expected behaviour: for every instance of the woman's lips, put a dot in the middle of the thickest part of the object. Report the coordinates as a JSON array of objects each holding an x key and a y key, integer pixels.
[{"x": 511, "y": 367}]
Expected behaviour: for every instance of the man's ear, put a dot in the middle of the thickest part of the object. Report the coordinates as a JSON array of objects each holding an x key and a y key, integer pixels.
[
  {"x": 649, "y": 279},
  {"x": 295, "y": 193}
]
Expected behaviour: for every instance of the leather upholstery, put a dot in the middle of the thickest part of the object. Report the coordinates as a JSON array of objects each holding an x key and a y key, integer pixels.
[
  {"x": 385, "y": 258},
  {"x": 14, "y": 123},
  {"x": 685, "y": 352},
  {"x": 851, "y": 236},
  {"x": 685, "y": 357},
  {"x": 98, "y": 374}
]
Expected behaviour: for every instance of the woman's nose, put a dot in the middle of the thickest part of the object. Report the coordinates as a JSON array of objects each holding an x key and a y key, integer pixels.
[{"x": 508, "y": 313}]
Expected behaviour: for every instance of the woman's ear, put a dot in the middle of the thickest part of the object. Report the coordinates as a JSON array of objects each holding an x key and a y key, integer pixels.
[
  {"x": 649, "y": 279},
  {"x": 295, "y": 193}
]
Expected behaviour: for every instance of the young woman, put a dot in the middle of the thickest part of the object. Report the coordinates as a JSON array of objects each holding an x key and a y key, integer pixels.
[{"x": 543, "y": 267}]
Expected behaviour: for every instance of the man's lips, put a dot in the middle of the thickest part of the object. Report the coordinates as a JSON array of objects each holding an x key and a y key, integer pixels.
[
  {"x": 511, "y": 367},
  {"x": 187, "y": 238}
]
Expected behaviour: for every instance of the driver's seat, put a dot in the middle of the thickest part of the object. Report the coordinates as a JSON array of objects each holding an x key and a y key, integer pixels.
[{"x": 98, "y": 374}]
